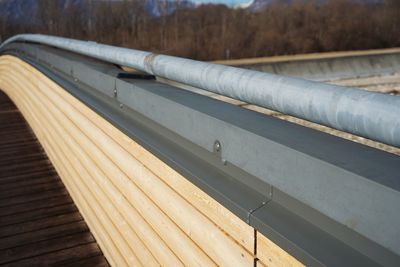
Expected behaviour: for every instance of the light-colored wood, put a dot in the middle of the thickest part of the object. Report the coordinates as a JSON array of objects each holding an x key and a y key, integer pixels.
[
  {"x": 199, "y": 219},
  {"x": 140, "y": 210},
  {"x": 191, "y": 257},
  {"x": 103, "y": 238},
  {"x": 270, "y": 255},
  {"x": 139, "y": 223},
  {"x": 221, "y": 249},
  {"x": 128, "y": 236},
  {"x": 89, "y": 166}
]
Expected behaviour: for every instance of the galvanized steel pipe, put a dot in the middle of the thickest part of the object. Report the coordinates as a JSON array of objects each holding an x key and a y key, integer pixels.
[{"x": 372, "y": 115}]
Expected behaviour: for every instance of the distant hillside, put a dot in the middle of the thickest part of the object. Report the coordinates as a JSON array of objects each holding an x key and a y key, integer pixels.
[
  {"x": 164, "y": 7},
  {"x": 259, "y": 5},
  {"x": 16, "y": 10}
]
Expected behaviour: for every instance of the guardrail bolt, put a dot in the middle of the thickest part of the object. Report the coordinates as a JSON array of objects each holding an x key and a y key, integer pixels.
[
  {"x": 121, "y": 105},
  {"x": 217, "y": 146}
]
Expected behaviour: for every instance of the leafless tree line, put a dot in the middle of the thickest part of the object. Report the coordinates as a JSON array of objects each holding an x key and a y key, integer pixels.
[{"x": 211, "y": 32}]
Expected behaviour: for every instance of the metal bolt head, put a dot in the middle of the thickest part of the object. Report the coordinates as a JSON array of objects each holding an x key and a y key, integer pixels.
[
  {"x": 121, "y": 105},
  {"x": 217, "y": 146},
  {"x": 115, "y": 92}
]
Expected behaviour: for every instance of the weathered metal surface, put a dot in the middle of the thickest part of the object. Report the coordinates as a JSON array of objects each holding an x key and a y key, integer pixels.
[{"x": 368, "y": 114}]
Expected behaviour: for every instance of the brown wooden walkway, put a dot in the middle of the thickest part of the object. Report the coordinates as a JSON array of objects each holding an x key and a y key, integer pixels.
[{"x": 39, "y": 223}]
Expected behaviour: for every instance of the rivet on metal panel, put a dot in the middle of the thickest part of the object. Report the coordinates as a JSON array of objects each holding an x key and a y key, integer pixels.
[
  {"x": 217, "y": 146},
  {"x": 121, "y": 105},
  {"x": 115, "y": 88},
  {"x": 217, "y": 149}
]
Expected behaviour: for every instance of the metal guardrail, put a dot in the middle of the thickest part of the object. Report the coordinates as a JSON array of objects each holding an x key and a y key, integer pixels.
[
  {"x": 326, "y": 200},
  {"x": 368, "y": 114}
]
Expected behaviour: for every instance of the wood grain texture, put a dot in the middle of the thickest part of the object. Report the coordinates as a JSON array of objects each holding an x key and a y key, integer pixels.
[
  {"x": 140, "y": 210},
  {"x": 269, "y": 255},
  {"x": 39, "y": 223}
]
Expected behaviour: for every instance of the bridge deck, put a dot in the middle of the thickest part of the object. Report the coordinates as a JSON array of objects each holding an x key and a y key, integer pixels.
[{"x": 39, "y": 223}]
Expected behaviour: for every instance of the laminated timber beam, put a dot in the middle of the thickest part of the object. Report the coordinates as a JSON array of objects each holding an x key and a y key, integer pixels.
[{"x": 147, "y": 165}]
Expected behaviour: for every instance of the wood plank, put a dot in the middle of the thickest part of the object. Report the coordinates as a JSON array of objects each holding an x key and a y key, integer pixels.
[
  {"x": 122, "y": 226},
  {"x": 28, "y": 177},
  {"x": 35, "y": 215},
  {"x": 24, "y": 168},
  {"x": 23, "y": 183},
  {"x": 32, "y": 197},
  {"x": 47, "y": 229},
  {"x": 18, "y": 142},
  {"x": 97, "y": 261},
  {"x": 43, "y": 234},
  {"x": 157, "y": 218},
  {"x": 22, "y": 191},
  {"x": 164, "y": 252},
  {"x": 30, "y": 156},
  {"x": 101, "y": 235},
  {"x": 113, "y": 227},
  {"x": 36, "y": 205},
  {"x": 67, "y": 257},
  {"x": 8, "y": 137},
  {"x": 42, "y": 223},
  {"x": 24, "y": 145},
  {"x": 269, "y": 254},
  {"x": 45, "y": 246}
]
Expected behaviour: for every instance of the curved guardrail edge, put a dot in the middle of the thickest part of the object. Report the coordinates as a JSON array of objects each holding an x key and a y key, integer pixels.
[{"x": 368, "y": 114}]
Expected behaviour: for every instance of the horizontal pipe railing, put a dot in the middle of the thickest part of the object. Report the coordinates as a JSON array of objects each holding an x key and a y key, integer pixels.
[{"x": 368, "y": 114}]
